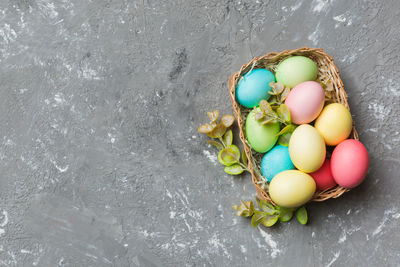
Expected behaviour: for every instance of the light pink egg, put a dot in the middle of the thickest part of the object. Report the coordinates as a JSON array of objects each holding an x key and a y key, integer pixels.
[
  {"x": 349, "y": 163},
  {"x": 305, "y": 101}
]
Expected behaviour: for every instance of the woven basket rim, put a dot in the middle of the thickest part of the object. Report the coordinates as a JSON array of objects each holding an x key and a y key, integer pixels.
[{"x": 341, "y": 97}]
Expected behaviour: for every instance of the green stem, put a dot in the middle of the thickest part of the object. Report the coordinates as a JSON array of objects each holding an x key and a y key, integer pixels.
[
  {"x": 244, "y": 166},
  {"x": 220, "y": 139}
]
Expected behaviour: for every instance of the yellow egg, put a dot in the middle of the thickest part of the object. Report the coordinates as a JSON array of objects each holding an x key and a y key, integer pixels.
[
  {"x": 334, "y": 123},
  {"x": 307, "y": 148},
  {"x": 291, "y": 188}
]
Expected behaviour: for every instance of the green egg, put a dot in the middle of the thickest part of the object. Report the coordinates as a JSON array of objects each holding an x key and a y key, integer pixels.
[
  {"x": 295, "y": 70},
  {"x": 261, "y": 137}
]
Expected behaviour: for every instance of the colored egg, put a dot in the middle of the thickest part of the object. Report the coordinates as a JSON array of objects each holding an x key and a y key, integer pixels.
[
  {"x": 275, "y": 161},
  {"x": 305, "y": 101},
  {"x": 307, "y": 148},
  {"x": 291, "y": 188},
  {"x": 254, "y": 87},
  {"x": 334, "y": 123},
  {"x": 349, "y": 163},
  {"x": 323, "y": 176},
  {"x": 261, "y": 137},
  {"x": 295, "y": 70}
]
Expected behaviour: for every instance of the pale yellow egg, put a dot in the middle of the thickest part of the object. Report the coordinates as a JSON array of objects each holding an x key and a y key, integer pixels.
[
  {"x": 291, "y": 188},
  {"x": 307, "y": 148},
  {"x": 334, "y": 123}
]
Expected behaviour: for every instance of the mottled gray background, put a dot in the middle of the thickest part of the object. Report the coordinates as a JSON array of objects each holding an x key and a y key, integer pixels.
[{"x": 101, "y": 163}]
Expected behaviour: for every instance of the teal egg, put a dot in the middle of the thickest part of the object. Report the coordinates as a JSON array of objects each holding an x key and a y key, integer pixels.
[
  {"x": 254, "y": 87},
  {"x": 275, "y": 161}
]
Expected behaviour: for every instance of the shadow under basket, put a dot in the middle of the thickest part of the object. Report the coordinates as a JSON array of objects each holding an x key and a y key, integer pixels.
[{"x": 327, "y": 71}]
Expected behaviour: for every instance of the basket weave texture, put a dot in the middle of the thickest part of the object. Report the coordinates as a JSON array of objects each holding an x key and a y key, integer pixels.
[{"x": 326, "y": 71}]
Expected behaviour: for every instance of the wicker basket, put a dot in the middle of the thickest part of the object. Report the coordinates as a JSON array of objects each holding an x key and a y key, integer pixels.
[{"x": 326, "y": 71}]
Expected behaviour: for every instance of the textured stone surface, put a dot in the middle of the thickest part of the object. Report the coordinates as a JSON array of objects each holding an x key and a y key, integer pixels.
[{"x": 101, "y": 164}]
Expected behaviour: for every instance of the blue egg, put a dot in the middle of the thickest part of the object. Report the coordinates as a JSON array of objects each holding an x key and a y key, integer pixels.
[
  {"x": 254, "y": 87},
  {"x": 275, "y": 161}
]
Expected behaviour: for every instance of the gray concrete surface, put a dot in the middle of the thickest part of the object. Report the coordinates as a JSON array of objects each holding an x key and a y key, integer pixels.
[{"x": 101, "y": 164}]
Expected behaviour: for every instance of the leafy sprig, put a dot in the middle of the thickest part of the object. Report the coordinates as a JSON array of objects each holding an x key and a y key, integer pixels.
[
  {"x": 268, "y": 214},
  {"x": 273, "y": 111},
  {"x": 278, "y": 94},
  {"x": 229, "y": 154},
  {"x": 268, "y": 114}
]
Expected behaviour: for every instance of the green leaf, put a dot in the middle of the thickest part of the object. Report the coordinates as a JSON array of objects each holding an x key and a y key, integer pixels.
[
  {"x": 215, "y": 144},
  {"x": 284, "y": 139},
  {"x": 227, "y": 120},
  {"x": 270, "y": 220},
  {"x": 225, "y": 157},
  {"x": 258, "y": 115},
  {"x": 301, "y": 215},
  {"x": 285, "y": 214},
  {"x": 257, "y": 218},
  {"x": 285, "y": 94},
  {"x": 244, "y": 158},
  {"x": 246, "y": 209},
  {"x": 218, "y": 131},
  {"x": 268, "y": 120},
  {"x": 267, "y": 207},
  {"x": 277, "y": 88},
  {"x": 265, "y": 107},
  {"x": 287, "y": 129},
  {"x": 228, "y": 138},
  {"x": 213, "y": 115},
  {"x": 234, "y": 169},
  {"x": 284, "y": 113},
  {"x": 205, "y": 128}
]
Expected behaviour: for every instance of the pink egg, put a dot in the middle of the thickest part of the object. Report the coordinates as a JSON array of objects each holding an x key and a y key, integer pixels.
[
  {"x": 349, "y": 163},
  {"x": 323, "y": 176},
  {"x": 305, "y": 101}
]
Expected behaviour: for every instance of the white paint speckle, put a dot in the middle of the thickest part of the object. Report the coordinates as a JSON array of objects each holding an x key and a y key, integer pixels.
[
  {"x": 172, "y": 214},
  {"x": 340, "y": 18},
  {"x": 22, "y": 90},
  {"x": 5, "y": 218},
  {"x": 212, "y": 157},
  {"x": 343, "y": 237},
  {"x": 296, "y": 6},
  {"x": 315, "y": 35},
  {"x": 216, "y": 245},
  {"x": 4, "y": 222},
  {"x": 59, "y": 99},
  {"x": 48, "y": 9},
  {"x": 379, "y": 111},
  {"x": 343, "y": 19},
  {"x": 163, "y": 26},
  {"x": 390, "y": 212},
  {"x": 335, "y": 257},
  {"x": 320, "y": 5},
  {"x": 7, "y": 34},
  {"x": 60, "y": 168},
  {"x": 349, "y": 58},
  {"x": 112, "y": 138},
  {"x": 268, "y": 239}
]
